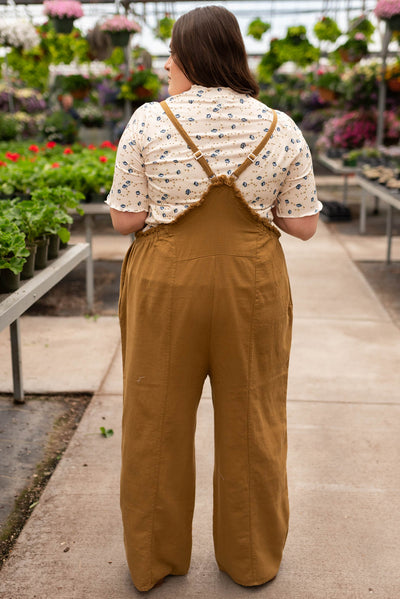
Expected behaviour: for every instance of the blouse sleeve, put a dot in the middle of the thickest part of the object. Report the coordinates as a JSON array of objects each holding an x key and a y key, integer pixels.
[
  {"x": 129, "y": 191},
  {"x": 298, "y": 194}
]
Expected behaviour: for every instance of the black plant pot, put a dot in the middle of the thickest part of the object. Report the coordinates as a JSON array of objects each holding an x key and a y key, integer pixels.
[
  {"x": 28, "y": 269},
  {"x": 41, "y": 253},
  {"x": 54, "y": 246},
  {"x": 9, "y": 281}
]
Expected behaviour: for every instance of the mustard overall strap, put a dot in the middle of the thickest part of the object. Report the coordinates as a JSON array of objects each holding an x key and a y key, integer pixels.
[
  {"x": 252, "y": 156},
  {"x": 197, "y": 153}
]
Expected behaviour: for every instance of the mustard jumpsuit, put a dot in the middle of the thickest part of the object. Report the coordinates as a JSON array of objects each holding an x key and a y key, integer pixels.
[{"x": 205, "y": 295}]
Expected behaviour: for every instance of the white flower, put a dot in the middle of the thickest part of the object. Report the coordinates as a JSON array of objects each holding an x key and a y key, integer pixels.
[{"x": 18, "y": 33}]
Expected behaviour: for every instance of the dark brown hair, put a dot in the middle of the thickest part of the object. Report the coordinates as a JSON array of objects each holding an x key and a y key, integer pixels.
[{"x": 208, "y": 47}]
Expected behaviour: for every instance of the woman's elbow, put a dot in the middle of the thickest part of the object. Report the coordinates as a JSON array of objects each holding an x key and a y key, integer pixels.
[
  {"x": 128, "y": 222},
  {"x": 308, "y": 227}
]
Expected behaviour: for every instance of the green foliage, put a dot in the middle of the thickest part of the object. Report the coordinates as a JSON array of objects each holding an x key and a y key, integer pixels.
[
  {"x": 60, "y": 127},
  {"x": 32, "y": 65},
  {"x": 257, "y": 28},
  {"x": 163, "y": 30},
  {"x": 295, "y": 47},
  {"x": 327, "y": 30},
  {"x": 13, "y": 251},
  {"x": 361, "y": 25},
  {"x": 106, "y": 432},
  {"x": 71, "y": 83},
  {"x": 9, "y": 127},
  {"x": 141, "y": 85}
]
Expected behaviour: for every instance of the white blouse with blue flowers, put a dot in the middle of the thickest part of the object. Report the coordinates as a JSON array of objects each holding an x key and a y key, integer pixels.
[{"x": 157, "y": 172}]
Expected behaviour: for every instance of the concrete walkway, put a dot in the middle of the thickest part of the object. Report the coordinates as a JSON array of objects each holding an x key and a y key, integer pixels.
[{"x": 344, "y": 447}]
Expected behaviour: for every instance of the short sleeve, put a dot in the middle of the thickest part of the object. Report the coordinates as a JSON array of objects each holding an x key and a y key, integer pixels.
[
  {"x": 129, "y": 192},
  {"x": 298, "y": 194}
]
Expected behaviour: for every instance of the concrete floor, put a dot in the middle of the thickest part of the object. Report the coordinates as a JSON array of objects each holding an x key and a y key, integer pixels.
[{"x": 343, "y": 417}]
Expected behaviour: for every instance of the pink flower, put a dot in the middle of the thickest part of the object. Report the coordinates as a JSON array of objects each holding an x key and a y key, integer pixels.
[
  {"x": 386, "y": 9},
  {"x": 120, "y": 23},
  {"x": 70, "y": 9}
]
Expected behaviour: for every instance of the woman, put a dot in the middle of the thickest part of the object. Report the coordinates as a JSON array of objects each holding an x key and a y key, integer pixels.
[{"x": 204, "y": 291}]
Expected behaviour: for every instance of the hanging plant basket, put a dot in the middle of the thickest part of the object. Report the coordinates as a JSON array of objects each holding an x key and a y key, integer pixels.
[
  {"x": 64, "y": 25},
  {"x": 119, "y": 38},
  {"x": 325, "y": 94},
  {"x": 394, "y": 23},
  {"x": 394, "y": 84}
]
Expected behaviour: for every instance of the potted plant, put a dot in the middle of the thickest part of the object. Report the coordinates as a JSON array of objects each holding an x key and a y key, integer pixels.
[
  {"x": 120, "y": 29},
  {"x": 327, "y": 30},
  {"x": 257, "y": 28},
  {"x": 327, "y": 82},
  {"x": 163, "y": 30},
  {"x": 389, "y": 11},
  {"x": 63, "y": 13},
  {"x": 18, "y": 33},
  {"x": 392, "y": 76},
  {"x": 354, "y": 48},
  {"x": 13, "y": 254},
  {"x": 142, "y": 85}
]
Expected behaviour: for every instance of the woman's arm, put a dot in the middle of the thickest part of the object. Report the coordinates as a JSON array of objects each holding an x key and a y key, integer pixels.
[
  {"x": 127, "y": 222},
  {"x": 302, "y": 227}
]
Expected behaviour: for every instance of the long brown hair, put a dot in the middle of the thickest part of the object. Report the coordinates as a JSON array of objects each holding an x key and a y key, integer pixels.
[{"x": 208, "y": 47}]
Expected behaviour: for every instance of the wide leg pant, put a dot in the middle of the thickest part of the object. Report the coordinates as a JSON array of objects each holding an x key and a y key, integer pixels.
[{"x": 206, "y": 295}]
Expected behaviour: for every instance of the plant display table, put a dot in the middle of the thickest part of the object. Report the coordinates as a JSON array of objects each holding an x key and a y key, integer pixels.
[
  {"x": 335, "y": 165},
  {"x": 13, "y": 305},
  {"x": 391, "y": 198}
]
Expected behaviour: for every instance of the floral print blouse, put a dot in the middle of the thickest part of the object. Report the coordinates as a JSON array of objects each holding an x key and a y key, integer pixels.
[{"x": 156, "y": 171}]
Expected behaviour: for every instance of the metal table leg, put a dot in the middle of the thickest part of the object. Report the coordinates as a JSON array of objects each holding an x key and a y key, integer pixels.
[
  {"x": 89, "y": 264},
  {"x": 389, "y": 231},
  {"x": 16, "y": 362},
  {"x": 345, "y": 189},
  {"x": 363, "y": 213}
]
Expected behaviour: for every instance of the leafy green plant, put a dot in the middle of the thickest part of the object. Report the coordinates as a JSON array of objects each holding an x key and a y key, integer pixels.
[
  {"x": 9, "y": 127},
  {"x": 163, "y": 30},
  {"x": 106, "y": 432},
  {"x": 295, "y": 47},
  {"x": 60, "y": 127},
  {"x": 327, "y": 30},
  {"x": 13, "y": 251},
  {"x": 141, "y": 85},
  {"x": 257, "y": 28}
]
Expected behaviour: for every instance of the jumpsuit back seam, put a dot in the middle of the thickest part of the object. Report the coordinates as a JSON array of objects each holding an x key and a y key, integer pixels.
[{"x": 160, "y": 444}]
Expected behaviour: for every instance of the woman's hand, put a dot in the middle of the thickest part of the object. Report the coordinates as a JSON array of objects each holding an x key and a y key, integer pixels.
[
  {"x": 127, "y": 222},
  {"x": 303, "y": 227}
]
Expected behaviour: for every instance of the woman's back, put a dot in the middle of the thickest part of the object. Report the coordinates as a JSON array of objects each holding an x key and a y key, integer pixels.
[{"x": 156, "y": 171}]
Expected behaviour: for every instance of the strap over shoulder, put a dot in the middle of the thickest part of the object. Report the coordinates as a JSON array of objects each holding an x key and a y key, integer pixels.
[
  {"x": 253, "y": 155},
  {"x": 196, "y": 152}
]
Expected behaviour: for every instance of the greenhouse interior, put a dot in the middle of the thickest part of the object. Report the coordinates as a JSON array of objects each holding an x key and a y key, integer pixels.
[{"x": 72, "y": 75}]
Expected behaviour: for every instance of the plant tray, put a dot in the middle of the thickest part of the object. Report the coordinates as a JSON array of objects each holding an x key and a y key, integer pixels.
[{"x": 335, "y": 211}]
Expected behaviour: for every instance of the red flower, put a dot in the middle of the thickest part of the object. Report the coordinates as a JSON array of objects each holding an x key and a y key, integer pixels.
[
  {"x": 50, "y": 144},
  {"x": 3, "y": 163},
  {"x": 12, "y": 156},
  {"x": 91, "y": 147},
  {"x": 55, "y": 165},
  {"x": 103, "y": 158},
  {"x": 140, "y": 67},
  {"x": 106, "y": 144},
  {"x": 33, "y": 148},
  {"x": 68, "y": 151}
]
